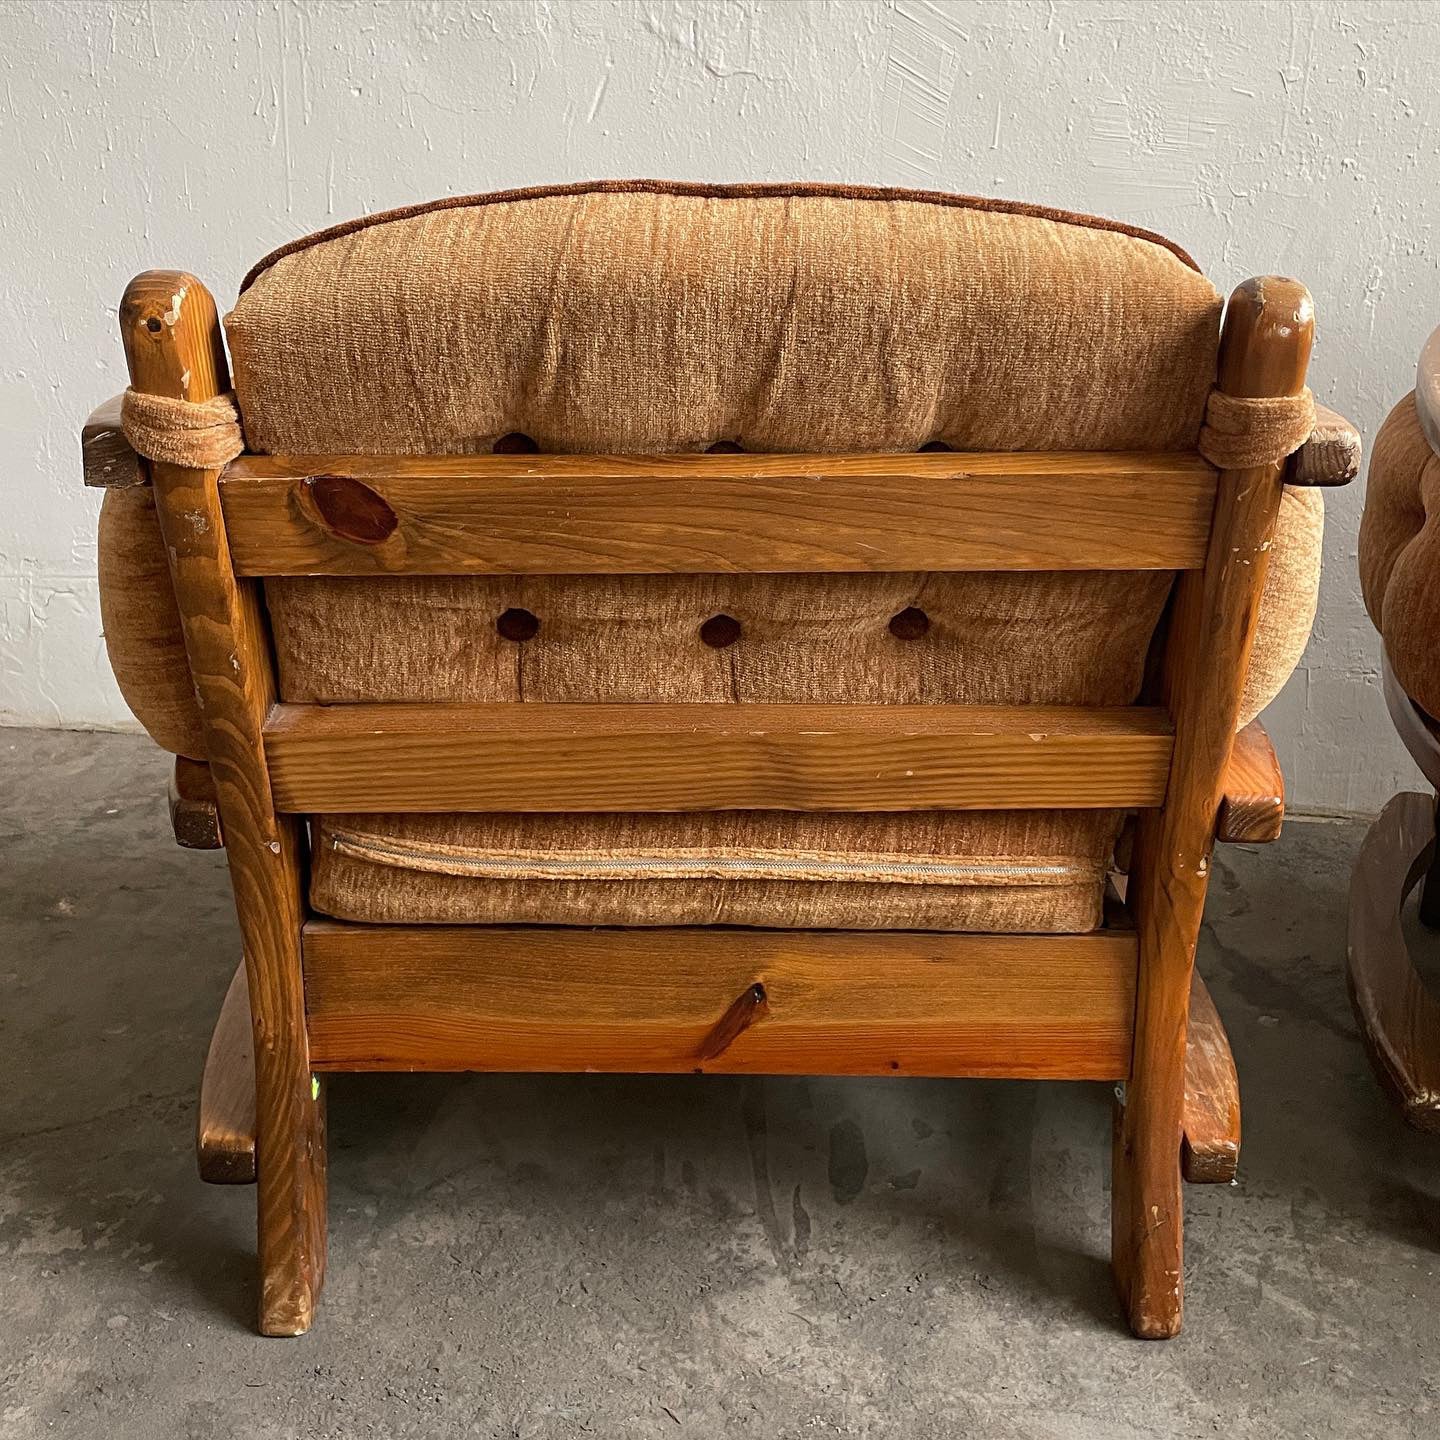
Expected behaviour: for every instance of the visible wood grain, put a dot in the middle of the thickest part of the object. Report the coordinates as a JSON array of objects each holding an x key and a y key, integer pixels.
[
  {"x": 834, "y": 1003},
  {"x": 1427, "y": 390},
  {"x": 105, "y": 453},
  {"x": 1210, "y": 1154},
  {"x": 1330, "y": 457},
  {"x": 750, "y": 1005},
  {"x": 1265, "y": 348},
  {"x": 536, "y": 757},
  {"x": 578, "y": 514},
  {"x": 194, "y": 816},
  {"x": 225, "y": 1127},
  {"x": 1252, "y": 797},
  {"x": 173, "y": 343},
  {"x": 1398, "y": 1016}
]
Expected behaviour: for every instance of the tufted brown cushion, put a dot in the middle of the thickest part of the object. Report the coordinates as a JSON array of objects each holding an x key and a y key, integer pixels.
[
  {"x": 1400, "y": 552},
  {"x": 668, "y": 318},
  {"x": 655, "y": 317}
]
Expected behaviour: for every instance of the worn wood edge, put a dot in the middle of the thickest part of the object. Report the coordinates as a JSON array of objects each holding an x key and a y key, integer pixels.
[
  {"x": 1252, "y": 797},
  {"x": 351, "y": 989},
  {"x": 1398, "y": 1016},
  {"x": 225, "y": 1126},
  {"x": 929, "y": 466},
  {"x": 194, "y": 814},
  {"x": 1210, "y": 1150},
  {"x": 108, "y": 461},
  {"x": 1330, "y": 457},
  {"x": 545, "y": 757}
]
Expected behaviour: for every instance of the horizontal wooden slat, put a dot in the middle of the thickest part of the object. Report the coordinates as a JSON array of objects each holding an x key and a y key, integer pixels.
[
  {"x": 582, "y": 514},
  {"x": 737, "y": 1001},
  {"x": 534, "y": 757}
]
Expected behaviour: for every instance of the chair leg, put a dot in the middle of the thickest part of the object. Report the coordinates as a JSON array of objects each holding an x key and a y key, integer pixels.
[
  {"x": 290, "y": 1204},
  {"x": 1147, "y": 1209}
]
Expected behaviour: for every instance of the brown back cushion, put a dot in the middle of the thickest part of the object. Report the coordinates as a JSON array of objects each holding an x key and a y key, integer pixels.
[{"x": 667, "y": 318}]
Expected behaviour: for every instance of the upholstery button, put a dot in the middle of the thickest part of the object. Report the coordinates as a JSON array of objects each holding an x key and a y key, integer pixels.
[
  {"x": 515, "y": 444},
  {"x": 719, "y": 631},
  {"x": 910, "y": 624},
  {"x": 518, "y": 625}
]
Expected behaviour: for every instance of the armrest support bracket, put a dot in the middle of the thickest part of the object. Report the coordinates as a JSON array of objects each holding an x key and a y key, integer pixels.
[
  {"x": 109, "y": 461},
  {"x": 1252, "y": 801}
]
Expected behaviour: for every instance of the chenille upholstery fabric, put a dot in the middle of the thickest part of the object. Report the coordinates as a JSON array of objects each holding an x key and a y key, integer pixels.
[
  {"x": 602, "y": 320},
  {"x": 1061, "y": 853},
  {"x": 142, "y": 624},
  {"x": 1400, "y": 552},
  {"x": 1287, "y": 604},
  {"x": 652, "y": 317}
]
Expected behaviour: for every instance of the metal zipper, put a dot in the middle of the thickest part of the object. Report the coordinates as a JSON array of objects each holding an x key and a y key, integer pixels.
[{"x": 690, "y": 867}]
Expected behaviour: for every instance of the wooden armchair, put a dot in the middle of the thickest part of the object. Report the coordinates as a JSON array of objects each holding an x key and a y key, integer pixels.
[
  {"x": 1398, "y": 1013},
  {"x": 319, "y": 994}
]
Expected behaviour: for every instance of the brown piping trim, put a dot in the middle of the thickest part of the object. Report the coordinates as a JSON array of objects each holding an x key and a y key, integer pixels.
[{"x": 697, "y": 191}]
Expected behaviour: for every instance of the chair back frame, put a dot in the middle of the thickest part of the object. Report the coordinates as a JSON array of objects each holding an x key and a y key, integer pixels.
[{"x": 327, "y": 996}]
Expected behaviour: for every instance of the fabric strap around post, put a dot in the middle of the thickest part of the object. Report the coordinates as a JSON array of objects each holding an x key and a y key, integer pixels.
[
  {"x": 200, "y": 435},
  {"x": 1241, "y": 432}
]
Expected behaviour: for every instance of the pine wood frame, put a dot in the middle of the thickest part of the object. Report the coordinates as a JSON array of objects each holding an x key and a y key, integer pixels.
[{"x": 1111, "y": 1005}]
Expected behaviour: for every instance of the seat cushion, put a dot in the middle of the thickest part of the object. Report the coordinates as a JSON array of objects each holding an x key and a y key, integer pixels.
[
  {"x": 969, "y": 638},
  {"x": 1400, "y": 552},
  {"x": 1001, "y": 871}
]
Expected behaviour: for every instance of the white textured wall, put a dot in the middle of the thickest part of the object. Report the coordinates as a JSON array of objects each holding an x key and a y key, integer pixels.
[{"x": 1262, "y": 136}]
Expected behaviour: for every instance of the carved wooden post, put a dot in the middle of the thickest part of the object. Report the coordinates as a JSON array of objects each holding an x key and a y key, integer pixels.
[
  {"x": 174, "y": 348},
  {"x": 1264, "y": 351}
]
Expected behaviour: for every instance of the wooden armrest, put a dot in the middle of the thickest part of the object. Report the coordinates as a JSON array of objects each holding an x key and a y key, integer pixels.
[
  {"x": 1330, "y": 457},
  {"x": 105, "y": 453},
  {"x": 194, "y": 817},
  {"x": 1252, "y": 800}
]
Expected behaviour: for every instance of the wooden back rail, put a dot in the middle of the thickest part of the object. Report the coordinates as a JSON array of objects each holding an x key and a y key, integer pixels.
[
  {"x": 625, "y": 515},
  {"x": 1112, "y": 1004}
]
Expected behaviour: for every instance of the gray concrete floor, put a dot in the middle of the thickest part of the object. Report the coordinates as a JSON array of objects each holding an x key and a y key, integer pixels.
[{"x": 556, "y": 1256}]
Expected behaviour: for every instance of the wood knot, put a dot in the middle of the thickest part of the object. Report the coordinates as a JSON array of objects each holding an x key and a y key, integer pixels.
[
  {"x": 749, "y": 1006},
  {"x": 349, "y": 508}
]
